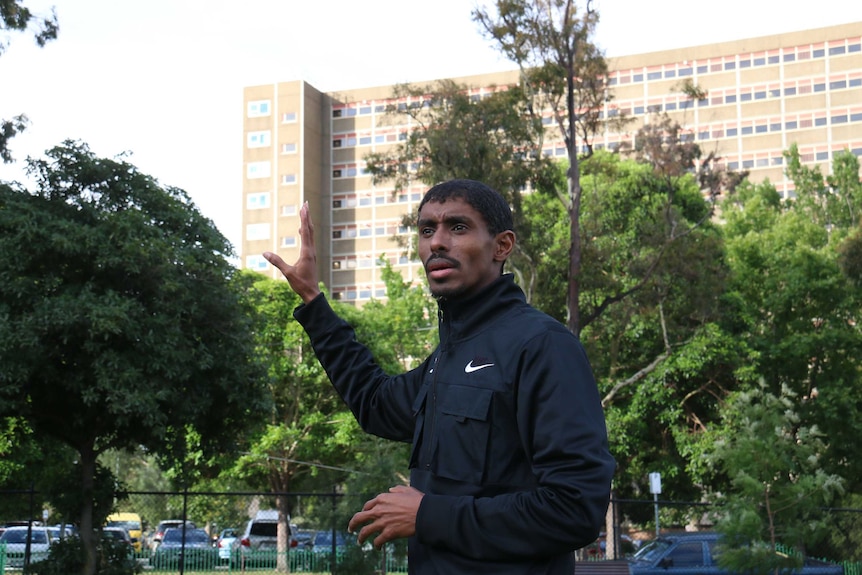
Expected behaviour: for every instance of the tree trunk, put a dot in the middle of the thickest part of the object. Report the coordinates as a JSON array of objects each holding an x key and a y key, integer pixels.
[
  {"x": 87, "y": 533},
  {"x": 283, "y": 545}
]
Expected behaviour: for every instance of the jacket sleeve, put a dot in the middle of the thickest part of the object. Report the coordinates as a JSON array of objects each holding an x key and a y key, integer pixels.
[
  {"x": 562, "y": 430},
  {"x": 382, "y": 404}
]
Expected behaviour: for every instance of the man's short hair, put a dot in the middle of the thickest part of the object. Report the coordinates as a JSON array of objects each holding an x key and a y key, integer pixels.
[{"x": 494, "y": 208}]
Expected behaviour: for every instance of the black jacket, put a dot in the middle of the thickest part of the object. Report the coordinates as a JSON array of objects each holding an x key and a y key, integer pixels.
[{"x": 509, "y": 439}]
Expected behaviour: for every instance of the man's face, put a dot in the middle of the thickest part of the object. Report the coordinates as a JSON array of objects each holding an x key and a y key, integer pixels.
[{"x": 459, "y": 253}]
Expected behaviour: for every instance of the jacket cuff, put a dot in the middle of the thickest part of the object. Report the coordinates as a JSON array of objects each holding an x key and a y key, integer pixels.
[
  {"x": 433, "y": 519},
  {"x": 316, "y": 317}
]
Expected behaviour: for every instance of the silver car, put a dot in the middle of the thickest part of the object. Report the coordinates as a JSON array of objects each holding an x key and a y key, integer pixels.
[{"x": 15, "y": 539}]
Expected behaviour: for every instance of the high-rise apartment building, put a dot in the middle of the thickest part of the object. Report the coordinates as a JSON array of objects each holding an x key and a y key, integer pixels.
[{"x": 763, "y": 94}]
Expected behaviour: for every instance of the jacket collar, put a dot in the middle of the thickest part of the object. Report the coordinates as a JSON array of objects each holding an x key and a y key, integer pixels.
[{"x": 461, "y": 318}]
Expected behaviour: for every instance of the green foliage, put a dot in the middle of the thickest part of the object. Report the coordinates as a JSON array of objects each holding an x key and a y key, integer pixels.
[
  {"x": 121, "y": 324},
  {"x": 832, "y": 201},
  {"x": 778, "y": 483},
  {"x": 67, "y": 556}
]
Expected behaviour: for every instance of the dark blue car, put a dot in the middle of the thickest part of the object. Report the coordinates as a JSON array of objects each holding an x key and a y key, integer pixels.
[{"x": 694, "y": 554}]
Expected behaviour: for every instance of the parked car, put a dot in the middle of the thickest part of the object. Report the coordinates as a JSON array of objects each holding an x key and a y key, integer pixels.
[
  {"x": 225, "y": 543},
  {"x": 117, "y": 534},
  {"x": 119, "y": 537},
  {"x": 322, "y": 542},
  {"x": 695, "y": 554},
  {"x": 196, "y": 550},
  {"x": 15, "y": 540},
  {"x": 163, "y": 526},
  {"x": 258, "y": 545},
  {"x": 133, "y": 525},
  {"x": 61, "y": 532}
]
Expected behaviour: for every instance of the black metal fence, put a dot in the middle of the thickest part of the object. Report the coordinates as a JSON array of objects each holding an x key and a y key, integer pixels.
[
  {"x": 324, "y": 517},
  {"x": 317, "y": 540}
]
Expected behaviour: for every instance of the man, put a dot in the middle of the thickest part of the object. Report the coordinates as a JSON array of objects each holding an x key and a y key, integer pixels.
[{"x": 510, "y": 468}]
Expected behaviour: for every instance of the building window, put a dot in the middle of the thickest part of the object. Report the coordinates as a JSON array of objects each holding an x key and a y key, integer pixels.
[
  {"x": 822, "y": 156},
  {"x": 254, "y": 170},
  {"x": 854, "y": 48},
  {"x": 838, "y": 85},
  {"x": 730, "y": 65},
  {"x": 257, "y": 201},
  {"x": 289, "y": 148},
  {"x": 288, "y": 179},
  {"x": 288, "y": 241},
  {"x": 789, "y": 57},
  {"x": 730, "y": 99},
  {"x": 257, "y": 139},
  {"x": 257, "y": 108},
  {"x": 256, "y": 263},
  {"x": 791, "y": 125},
  {"x": 732, "y": 132},
  {"x": 654, "y": 76},
  {"x": 288, "y": 117},
  {"x": 819, "y": 121},
  {"x": 760, "y": 61},
  {"x": 840, "y": 119},
  {"x": 819, "y": 53},
  {"x": 288, "y": 210},
  {"x": 257, "y": 232},
  {"x": 761, "y": 129}
]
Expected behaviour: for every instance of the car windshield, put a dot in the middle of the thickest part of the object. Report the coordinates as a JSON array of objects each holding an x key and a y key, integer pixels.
[
  {"x": 264, "y": 529},
  {"x": 651, "y": 550},
  {"x": 325, "y": 538},
  {"x": 192, "y": 536},
  {"x": 20, "y": 536},
  {"x": 127, "y": 525}
]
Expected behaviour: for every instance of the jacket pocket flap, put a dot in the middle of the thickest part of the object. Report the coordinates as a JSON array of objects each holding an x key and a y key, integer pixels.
[{"x": 466, "y": 402}]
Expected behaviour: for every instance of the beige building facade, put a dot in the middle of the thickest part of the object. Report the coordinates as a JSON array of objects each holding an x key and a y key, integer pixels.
[{"x": 302, "y": 145}]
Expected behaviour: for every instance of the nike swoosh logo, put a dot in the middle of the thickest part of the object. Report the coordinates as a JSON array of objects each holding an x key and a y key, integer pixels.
[{"x": 470, "y": 368}]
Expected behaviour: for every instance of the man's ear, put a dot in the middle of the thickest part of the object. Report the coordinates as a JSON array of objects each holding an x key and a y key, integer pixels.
[{"x": 505, "y": 242}]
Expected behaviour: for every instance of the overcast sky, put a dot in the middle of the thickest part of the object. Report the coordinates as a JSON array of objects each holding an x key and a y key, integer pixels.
[{"x": 163, "y": 79}]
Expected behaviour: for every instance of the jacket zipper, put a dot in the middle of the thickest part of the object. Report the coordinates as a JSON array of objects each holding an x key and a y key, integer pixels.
[{"x": 432, "y": 422}]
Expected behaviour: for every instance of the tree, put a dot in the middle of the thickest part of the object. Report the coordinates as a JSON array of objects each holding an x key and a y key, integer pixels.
[
  {"x": 301, "y": 426},
  {"x": 778, "y": 484},
  {"x": 121, "y": 322},
  {"x": 453, "y": 135},
  {"x": 15, "y": 17},
  {"x": 562, "y": 72},
  {"x": 309, "y": 438}
]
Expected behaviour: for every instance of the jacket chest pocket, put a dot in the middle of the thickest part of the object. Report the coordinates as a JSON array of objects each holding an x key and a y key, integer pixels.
[{"x": 460, "y": 443}]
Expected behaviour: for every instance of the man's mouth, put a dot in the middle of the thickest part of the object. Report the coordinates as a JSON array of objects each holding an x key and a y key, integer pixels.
[{"x": 439, "y": 267}]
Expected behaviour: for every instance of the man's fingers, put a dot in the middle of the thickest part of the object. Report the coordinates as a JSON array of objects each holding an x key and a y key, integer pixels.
[{"x": 278, "y": 262}]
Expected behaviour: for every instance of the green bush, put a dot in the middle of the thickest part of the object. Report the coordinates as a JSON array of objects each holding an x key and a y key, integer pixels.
[{"x": 67, "y": 556}]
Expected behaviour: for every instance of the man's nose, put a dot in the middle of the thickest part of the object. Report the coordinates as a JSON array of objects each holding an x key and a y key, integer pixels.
[{"x": 439, "y": 241}]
